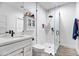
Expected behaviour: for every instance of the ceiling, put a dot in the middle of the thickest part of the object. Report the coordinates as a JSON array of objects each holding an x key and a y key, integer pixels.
[
  {"x": 45, "y": 5},
  {"x": 49, "y": 5},
  {"x": 16, "y": 4}
]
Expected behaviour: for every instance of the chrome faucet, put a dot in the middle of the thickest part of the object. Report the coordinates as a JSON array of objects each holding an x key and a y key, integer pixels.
[{"x": 11, "y": 32}]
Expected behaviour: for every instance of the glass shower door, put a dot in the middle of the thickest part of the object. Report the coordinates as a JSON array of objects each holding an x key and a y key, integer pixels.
[{"x": 56, "y": 39}]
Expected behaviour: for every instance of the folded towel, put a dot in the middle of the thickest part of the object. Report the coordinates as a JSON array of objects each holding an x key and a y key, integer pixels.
[{"x": 75, "y": 29}]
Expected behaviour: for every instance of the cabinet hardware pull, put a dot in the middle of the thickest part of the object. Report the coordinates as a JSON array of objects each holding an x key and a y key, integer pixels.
[{"x": 22, "y": 51}]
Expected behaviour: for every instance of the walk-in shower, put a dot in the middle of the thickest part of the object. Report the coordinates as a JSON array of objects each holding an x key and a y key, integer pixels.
[{"x": 53, "y": 33}]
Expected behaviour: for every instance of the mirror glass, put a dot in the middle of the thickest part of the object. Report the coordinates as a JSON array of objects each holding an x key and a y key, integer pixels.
[{"x": 19, "y": 25}]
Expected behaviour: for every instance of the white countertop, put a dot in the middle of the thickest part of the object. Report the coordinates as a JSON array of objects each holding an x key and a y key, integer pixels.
[{"x": 4, "y": 40}]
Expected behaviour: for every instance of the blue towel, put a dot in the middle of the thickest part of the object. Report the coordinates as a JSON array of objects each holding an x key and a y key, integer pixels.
[{"x": 75, "y": 29}]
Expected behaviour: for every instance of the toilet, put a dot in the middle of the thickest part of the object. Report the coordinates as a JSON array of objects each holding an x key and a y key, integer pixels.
[{"x": 38, "y": 50}]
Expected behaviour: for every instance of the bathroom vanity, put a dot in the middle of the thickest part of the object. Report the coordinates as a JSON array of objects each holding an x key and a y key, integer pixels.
[{"x": 16, "y": 46}]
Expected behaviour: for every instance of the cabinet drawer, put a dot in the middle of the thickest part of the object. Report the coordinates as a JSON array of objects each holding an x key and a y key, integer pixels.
[
  {"x": 4, "y": 50},
  {"x": 16, "y": 53},
  {"x": 28, "y": 53}
]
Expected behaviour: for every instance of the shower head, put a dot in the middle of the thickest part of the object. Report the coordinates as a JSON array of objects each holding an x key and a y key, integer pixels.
[{"x": 50, "y": 16}]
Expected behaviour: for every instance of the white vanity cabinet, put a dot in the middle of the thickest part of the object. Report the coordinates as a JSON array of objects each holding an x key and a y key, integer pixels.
[{"x": 20, "y": 48}]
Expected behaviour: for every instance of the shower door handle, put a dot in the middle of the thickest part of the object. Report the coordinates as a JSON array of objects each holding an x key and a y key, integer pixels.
[{"x": 57, "y": 32}]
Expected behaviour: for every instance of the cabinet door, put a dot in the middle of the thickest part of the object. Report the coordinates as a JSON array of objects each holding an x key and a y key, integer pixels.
[
  {"x": 28, "y": 50},
  {"x": 17, "y": 53}
]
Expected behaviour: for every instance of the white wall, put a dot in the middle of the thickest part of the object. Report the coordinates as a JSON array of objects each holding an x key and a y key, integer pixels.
[
  {"x": 67, "y": 15},
  {"x": 12, "y": 14},
  {"x": 77, "y": 10},
  {"x": 77, "y": 16},
  {"x": 41, "y": 19}
]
